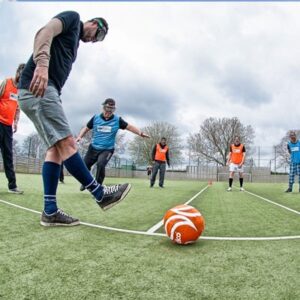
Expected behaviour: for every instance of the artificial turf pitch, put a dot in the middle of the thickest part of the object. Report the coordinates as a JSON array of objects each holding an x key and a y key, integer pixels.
[{"x": 92, "y": 263}]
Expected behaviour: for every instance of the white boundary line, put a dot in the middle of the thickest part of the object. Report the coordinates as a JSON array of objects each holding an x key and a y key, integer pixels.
[
  {"x": 280, "y": 205},
  {"x": 161, "y": 222},
  {"x": 213, "y": 238}
]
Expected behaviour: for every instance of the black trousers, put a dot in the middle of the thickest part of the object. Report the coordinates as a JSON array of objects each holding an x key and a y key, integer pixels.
[
  {"x": 161, "y": 166},
  {"x": 101, "y": 157},
  {"x": 6, "y": 145}
]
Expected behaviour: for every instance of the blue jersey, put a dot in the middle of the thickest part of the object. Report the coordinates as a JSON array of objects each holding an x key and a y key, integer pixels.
[
  {"x": 294, "y": 149},
  {"x": 104, "y": 132}
]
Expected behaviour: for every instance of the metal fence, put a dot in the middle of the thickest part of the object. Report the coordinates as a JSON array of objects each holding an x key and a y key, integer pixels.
[{"x": 126, "y": 168}]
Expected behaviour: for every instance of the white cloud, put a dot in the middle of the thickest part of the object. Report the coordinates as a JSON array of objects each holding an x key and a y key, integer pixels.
[{"x": 182, "y": 62}]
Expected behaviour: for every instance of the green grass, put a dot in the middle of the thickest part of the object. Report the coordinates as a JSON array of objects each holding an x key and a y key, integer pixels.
[{"x": 91, "y": 263}]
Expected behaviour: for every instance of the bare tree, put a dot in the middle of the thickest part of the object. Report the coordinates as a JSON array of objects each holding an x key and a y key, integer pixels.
[
  {"x": 212, "y": 142},
  {"x": 141, "y": 149},
  {"x": 34, "y": 147},
  {"x": 282, "y": 151}
]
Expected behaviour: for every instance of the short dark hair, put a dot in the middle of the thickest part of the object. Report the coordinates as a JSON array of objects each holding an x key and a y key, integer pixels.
[
  {"x": 20, "y": 68},
  {"x": 163, "y": 138},
  {"x": 110, "y": 102}
]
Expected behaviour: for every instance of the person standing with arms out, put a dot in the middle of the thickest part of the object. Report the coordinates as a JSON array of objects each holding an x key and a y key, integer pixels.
[
  {"x": 294, "y": 150},
  {"x": 55, "y": 50},
  {"x": 160, "y": 156},
  {"x": 236, "y": 161},
  {"x": 9, "y": 118},
  {"x": 104, "y": 128}
]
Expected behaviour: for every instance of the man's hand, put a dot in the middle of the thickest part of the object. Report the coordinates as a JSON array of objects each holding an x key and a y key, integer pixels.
[
  {"x": 78, "y": 139},
  {"x": 15, "y": 127},
  {"x": 39, "y": 81},
  {"x": 144, "y": 135}
]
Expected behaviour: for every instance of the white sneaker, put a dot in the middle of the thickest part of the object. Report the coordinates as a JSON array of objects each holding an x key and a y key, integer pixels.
[
  {"x": 229, "y": 189},
  {"x": 242, "y": 189}
]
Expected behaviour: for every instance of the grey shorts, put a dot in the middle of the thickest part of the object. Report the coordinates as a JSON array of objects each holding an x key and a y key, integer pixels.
[{"x": 47, "y": 115}]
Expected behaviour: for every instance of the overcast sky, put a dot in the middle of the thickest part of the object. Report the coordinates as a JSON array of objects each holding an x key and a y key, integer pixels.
[{"x": 174, "y": 62}]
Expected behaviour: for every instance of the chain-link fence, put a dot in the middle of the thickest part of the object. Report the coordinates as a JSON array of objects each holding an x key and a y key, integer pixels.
[{"x": 262, "y": 166}]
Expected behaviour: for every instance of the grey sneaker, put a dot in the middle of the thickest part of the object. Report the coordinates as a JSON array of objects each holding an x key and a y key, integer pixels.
[
  {"x": 16, "y": 191},
  {"x": 113, "y": 194},
  {"x": 289, "y": 190},
  {"x": 59, "y": 218}
]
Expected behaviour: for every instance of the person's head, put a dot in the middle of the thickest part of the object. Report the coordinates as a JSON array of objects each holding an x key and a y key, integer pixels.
[
  {"x": 109, "y": 106},
  {"x": 236, "y": 140},
  {"x": 293, "y": 136},
  {"x": 94, "y": 30},
  {"x": 163, "y": 141},
  {"x": 19, "y": 72}
]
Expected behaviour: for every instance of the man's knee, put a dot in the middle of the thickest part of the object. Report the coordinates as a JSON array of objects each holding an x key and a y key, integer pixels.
[{"x": 67, "y": 143}]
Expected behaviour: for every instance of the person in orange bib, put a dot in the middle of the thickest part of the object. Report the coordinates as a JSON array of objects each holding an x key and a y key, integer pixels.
[
  {"x": 236, "y": 161},
  {"x": 9, "y": 117},
  {"x": 160, "y": 156}
]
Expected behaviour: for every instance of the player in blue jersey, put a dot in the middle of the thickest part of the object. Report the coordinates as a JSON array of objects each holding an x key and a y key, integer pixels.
[
  {"x": 104, "y": 128},
  {"x": 294, "y": 150},
  {"x": 48, "y": 68}
]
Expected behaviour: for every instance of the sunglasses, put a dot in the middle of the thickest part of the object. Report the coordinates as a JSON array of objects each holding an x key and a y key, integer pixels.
[
  {"x": 101, "y": 31},
  {"x": 109, "y": 108}
]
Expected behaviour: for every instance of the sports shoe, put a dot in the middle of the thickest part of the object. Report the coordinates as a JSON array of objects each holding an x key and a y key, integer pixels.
[
  {"x": 229, "y": 189},
  {"x": 113, "y": 194},
  {"x": 289, "y": 190},
  {"x": 161, "y": 186},
  {"x": 82, "y": 188},
  {"x": 59, "y": 218},
  {"x": 16, "y": 191},
  {"x": 242, "y": 189}
]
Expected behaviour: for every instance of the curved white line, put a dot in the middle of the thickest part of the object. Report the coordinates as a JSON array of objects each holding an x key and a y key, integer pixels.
[{"x": 213, "y": 238}]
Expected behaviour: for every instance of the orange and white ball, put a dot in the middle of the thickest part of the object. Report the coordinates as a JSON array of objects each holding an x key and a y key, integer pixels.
[{"x": 184, "y": 224}]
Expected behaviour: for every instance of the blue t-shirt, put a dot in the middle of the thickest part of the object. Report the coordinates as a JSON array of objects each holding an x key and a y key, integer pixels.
[
  {"x": 105, "y": 131},
  {"x": 63, "y": 53},
  {"x": 294, "y": 149}
]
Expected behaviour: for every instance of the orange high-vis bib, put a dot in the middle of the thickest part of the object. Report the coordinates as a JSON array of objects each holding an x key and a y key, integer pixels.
[
  {"x": 237, "y": 154},
  {"x": 160, "y": 153},
  {"x": 8, "y": 103}
]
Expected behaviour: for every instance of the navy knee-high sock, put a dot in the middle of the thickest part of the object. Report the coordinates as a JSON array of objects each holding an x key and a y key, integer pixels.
[
  {"x": 50, "y": 174},
  {"x": 77, "y": 168}
]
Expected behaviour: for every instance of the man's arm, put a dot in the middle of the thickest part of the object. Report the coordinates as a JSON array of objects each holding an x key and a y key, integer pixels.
[
  {"x": 41, "y": 55},
  {"x": 137, "y": 131},
  {"x": 82, "y": 133},
  {"x": 2, "y": 87},
  {"x": 16, "y": 119},
  {"x": 168, "y": 158}
]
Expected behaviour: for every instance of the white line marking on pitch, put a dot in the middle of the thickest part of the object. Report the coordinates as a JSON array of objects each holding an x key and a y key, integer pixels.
[
  {"x": 280, "y": 205},
  {"x": 160, "y": 223},
  {"x": 213, "y": 238}
]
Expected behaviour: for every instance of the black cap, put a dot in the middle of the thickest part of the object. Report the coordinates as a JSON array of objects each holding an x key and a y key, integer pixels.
[{"x": 109, "y": 102}]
